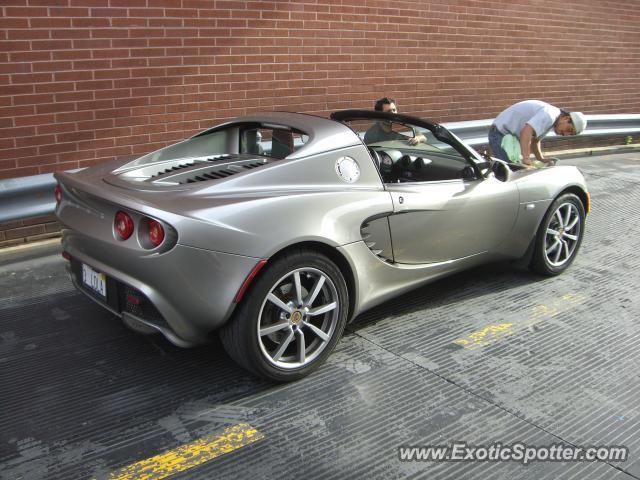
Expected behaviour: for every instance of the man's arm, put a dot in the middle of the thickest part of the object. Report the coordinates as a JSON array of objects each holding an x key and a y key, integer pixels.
[
  {"x": 419, "y": 138},
  {"x": 537, "y": 151},
  {"x": 527, "y": 137}
]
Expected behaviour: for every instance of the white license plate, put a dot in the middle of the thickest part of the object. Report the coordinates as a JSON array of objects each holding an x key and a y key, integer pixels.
[{"x": 96, "y": 281}]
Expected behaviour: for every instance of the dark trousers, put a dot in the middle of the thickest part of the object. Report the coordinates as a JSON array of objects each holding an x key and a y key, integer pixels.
[{"x": 495, "y": 140}]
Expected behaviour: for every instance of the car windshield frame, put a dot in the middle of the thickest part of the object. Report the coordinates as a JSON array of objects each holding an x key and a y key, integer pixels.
[{"x": 438, "y": 131}]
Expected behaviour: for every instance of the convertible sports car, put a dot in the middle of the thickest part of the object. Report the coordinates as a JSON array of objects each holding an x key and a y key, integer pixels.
[{"x": 276, "y": 229}]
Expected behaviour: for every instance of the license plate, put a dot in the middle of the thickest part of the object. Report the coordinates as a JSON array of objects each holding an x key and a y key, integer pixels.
[{"x": 96, "y": 281}]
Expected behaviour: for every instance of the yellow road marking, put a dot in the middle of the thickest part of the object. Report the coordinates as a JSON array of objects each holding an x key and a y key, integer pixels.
[
  {"x": 486, "y": 335},
  {"x": 537, "y": 314},
  {"x": 190, "y": 455}
]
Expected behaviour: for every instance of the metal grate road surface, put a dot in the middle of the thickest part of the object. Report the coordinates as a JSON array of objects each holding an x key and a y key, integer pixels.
[{"x": 491, "y": 355}]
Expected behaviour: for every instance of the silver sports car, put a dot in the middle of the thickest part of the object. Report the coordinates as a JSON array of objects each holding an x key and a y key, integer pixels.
[{"x": 276, "y": 229}]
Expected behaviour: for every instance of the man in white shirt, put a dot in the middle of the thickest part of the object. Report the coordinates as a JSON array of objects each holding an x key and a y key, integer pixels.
[{"x": 531, "y": 120}]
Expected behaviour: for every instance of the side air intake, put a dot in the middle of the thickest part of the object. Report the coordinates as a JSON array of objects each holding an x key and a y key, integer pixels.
[{"x": 376, "y": 236}]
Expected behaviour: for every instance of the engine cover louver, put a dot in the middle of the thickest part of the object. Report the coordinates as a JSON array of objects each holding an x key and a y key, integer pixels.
[
  {"x": 194, "y": 169},
  {"x": 172, "y": 169},
  {"x": 216, "y": 174}
]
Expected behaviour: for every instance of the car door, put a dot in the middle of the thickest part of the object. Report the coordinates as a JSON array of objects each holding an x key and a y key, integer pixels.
[
  {"x": 444, "y": 206},
  {"x": 450, "y": 219}
]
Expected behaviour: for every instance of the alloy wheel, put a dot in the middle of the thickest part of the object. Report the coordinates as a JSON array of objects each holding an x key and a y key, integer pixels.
[
  {"x": 298, "y": 318},
  {"x": 562, "y": 235}
]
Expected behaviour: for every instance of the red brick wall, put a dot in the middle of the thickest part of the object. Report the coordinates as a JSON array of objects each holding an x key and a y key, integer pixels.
[
  {"x": 28, "y": 230},
  {"x": 85, "y": 81}
]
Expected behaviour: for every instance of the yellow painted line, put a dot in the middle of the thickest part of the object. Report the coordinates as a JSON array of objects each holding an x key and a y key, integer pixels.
[
  {"x": 537, "y": 314},
  {"x": 190, "y": 455},
  {"x": 485, "y": 336}
]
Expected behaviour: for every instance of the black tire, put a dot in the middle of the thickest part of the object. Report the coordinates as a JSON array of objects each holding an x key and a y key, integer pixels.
[
  {"x": 547, "y": 260},
  {"x": 252, "y": 351}
]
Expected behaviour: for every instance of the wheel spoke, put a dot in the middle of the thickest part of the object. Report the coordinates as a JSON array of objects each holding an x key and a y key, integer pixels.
[
  {"x": 555, "y": 245},
  {"x": 560, "y": 219},
  {"x": 302, "y": 347},
  {"x": 273, "y": 328},
  {"x": 283, "y": 346},
  {"x": 296, "y": 279},
  {"x": 558, "y": 253},
  {"x": 323, "y": 309},
  {"x": 551, "y": 231},
  {"x": 317, "y": 331},
  {"x": 568, "y": 215},
  {"x": 279, "y": 303},
  {"x": 573, "y": 223},
  {"x": 316, "y": 289},
  {"x": 566, "y": 249},
  {"x": 569, "y": 236}
]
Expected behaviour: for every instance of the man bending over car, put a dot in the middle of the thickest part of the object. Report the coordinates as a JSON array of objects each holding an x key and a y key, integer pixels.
[{"x": 529, "y": 121}]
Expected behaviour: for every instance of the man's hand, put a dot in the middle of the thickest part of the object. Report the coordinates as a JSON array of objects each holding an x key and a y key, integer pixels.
[{"x": 419, "y": 138}]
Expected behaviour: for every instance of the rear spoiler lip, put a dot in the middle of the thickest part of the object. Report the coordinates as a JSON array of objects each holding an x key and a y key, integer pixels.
[{"x": 102, "y": 190}]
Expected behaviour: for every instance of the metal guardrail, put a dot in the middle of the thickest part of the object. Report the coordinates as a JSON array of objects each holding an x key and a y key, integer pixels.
[
  {"x": 475, "y": 132},
  {"x": 32, "y": 196},
  {"x": 26, "y": 197}
]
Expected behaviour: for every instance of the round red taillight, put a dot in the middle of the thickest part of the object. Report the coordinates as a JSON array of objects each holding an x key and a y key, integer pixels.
[
  {"x": 57, "y": 192},
  {"x": 123, "y": 225},
  {"x": 156, "y": 232}
]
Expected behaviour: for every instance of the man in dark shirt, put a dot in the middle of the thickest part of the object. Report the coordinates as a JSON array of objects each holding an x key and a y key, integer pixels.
[{"x": 382, "y": 131}]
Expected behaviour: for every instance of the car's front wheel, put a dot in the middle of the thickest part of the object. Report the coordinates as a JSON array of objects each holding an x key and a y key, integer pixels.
[
  {"x": 291, "y": 319},
  {"x": 559, "y": 235}
]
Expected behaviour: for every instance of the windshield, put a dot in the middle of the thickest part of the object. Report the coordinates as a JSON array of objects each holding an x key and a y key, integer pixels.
[
  {"x": 390, "y": 134},
  {"x": 405, "y": 151}
]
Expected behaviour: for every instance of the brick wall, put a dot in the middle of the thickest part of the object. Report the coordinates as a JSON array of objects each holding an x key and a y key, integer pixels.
[
  {"x": 28, "y": 230},
  {"x": 85, "y": 81}
]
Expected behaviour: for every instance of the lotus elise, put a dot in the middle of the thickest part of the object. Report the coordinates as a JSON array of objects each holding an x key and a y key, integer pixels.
[{"x": 274, "y": 230}]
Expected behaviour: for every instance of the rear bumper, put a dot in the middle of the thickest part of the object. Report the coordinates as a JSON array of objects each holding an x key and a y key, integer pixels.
[
  {"x": 185, "y": 293},
  {"x": 140, "y": 322}
]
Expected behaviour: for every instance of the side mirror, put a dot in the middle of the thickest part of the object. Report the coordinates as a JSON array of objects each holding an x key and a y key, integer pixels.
[
  {"x": 500, "y": 170},
  {"x": 494, "y": 166}
]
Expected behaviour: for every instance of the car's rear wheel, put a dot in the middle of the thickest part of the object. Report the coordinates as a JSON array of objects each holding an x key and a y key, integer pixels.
[
  {"x": 559, "y": 235},
  {"x": 291, "y": 319}
]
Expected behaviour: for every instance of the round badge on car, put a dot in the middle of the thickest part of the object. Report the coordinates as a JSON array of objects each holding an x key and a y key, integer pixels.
[
  {"x": 296, "y": 317},
  {"x": 347, "y": 169}
]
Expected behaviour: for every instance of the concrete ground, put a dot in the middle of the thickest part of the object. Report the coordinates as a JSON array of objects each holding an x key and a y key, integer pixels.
[{"x": 491, "y": 355}]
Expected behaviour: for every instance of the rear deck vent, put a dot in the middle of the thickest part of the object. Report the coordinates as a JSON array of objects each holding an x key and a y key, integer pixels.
[
  {"x": 172, "y": 169},
  {"x": 210, "y": 175},
  {"x": 216, "y": 158},
  {"x": 249, "y": 166},
  {"x": 218, "y": 173}
]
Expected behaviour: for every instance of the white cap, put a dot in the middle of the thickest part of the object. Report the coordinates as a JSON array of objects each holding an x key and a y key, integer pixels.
[{"x": 579, "y": 121}]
